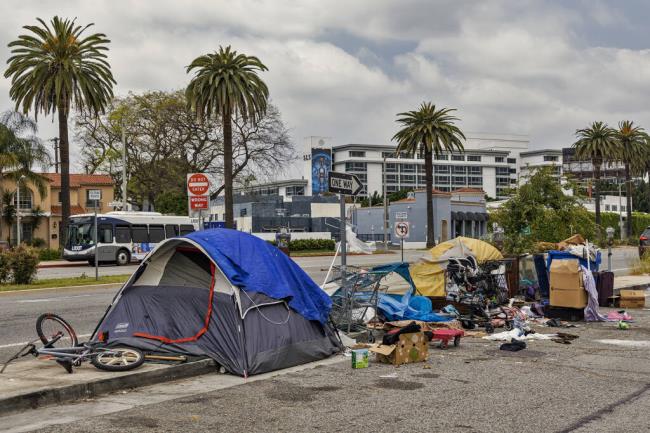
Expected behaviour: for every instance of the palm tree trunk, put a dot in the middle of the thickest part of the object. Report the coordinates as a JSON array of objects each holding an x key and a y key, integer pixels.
[
  {"x": 628, "y": 199},
  {"x": 428, "y": 173},
  {"x": 597, "y": 191},
  {"x": 227, "y": 168},
  {"x": 64, "y": 151}
]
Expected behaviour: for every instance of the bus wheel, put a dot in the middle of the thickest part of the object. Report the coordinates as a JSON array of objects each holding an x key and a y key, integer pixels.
[
  {"x": 91, "y": 262},
  {"x": 123, "y": 258}
]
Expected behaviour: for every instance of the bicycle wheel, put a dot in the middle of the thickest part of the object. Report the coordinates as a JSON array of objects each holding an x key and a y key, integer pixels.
[
  {"x": 55, "y": 332},
  {"x": 118, "y": 359}
]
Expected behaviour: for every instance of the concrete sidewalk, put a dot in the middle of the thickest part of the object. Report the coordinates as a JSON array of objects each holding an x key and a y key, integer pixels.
[
  {"x": 33, "y": 383},
  {"x": 631, "y": 282},
  {"x": 60, "y": 264}
]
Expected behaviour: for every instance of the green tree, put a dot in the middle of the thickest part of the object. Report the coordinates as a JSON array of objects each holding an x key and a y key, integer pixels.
[
  {"x": 55, "y": 68},
  {"x": 634, "y": 151},
  {"x": 541, "y": 206},
  {"x": 597, "y": 143},
  {"x": 429, "y": 131},
  {"x": 227, "y": 84},
  {"x": 171, "y": 203}
]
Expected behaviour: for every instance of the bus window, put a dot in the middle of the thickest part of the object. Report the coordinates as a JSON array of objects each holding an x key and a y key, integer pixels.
[
  {"x": 171, "y": 230},
  {"x": 140, "y": 234},
  {"x": 186, "y": 229},
  {"x": 156, "y": 234},
  {"x": 123, "y": 234},
  {"x": 105, "y": 233}
]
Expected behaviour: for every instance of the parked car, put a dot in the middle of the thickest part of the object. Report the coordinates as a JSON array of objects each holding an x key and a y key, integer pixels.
[{"x": 644, "y": 241}]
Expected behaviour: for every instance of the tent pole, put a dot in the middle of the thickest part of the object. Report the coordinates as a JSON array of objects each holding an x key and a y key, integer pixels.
[{"x": 329, "y": 271}]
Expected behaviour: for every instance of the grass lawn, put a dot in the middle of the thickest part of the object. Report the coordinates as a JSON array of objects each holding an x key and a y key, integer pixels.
[
  {"x": 316, "y": 253},
  {"x": 65, "y": 282}
]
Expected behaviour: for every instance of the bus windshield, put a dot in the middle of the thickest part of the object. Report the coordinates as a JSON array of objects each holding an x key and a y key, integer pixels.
[{"x": 81, "y": 233}]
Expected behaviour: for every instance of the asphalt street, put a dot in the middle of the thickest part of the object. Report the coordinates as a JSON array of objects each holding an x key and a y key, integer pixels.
[
  {"x": 596, "y": 384},
  {"x": 83, "y": 307}
]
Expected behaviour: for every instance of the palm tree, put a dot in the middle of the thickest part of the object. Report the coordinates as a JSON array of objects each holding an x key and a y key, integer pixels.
[
  {"x": 431, "y": 131},
  {"x": 227, "y": 84},
  {"x": 54, "y": 68},
  {"x": 598, "y": 144},
  {"x": 633, "y": 151}
]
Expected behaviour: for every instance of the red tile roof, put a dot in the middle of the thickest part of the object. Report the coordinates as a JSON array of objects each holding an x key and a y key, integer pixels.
[
  {"x": 77, "y": 180},
  {"x": 74, "y": 210},
  {"x": 477, "y": 190},
  {"x": 435, "y": 191}
]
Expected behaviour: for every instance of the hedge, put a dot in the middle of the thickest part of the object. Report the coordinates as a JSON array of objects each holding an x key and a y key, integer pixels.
[
  {"x": 310, "y": 244},
  {"x": 639, "y": 222}
]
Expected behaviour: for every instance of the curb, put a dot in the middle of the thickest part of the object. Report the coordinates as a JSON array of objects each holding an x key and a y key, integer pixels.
[
  {"x": 85, "y": 286},
  {"x": 36, "y": 399},
  {"x": 43, "y": 265}
]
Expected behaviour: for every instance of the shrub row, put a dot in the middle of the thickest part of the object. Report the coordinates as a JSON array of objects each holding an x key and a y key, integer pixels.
[
  {"x": 19, "y": 265},
  {"x": 311, "y": 244},
  {"x": 48, "y": 254}
]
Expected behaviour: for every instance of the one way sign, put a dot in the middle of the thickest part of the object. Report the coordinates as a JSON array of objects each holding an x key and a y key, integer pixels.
[{"x": 344, "y": 183}]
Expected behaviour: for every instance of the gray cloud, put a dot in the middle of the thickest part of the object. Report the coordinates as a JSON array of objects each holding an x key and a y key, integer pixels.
[{"x": 345, "y": 68}]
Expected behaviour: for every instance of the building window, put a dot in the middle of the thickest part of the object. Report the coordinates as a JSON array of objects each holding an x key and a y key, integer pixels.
[
  {"x": 502, "y": 171},
  {"x": 512, "y": 160},
  {"x": 550, "y": 158},
  {"x": 421, "y": 179},
  {"x": 458, "y": 169},
  {"x": 294, "y": 190},
  {"x": 243, "y": 212},
  {"x": 58, "y": 195},
  {"x": 623, "y": 208},
  {"x": 388, "y": 154},
  {"x": 391, "y": 167},
  {"x": 475, "y": 181},
  {"x": 614, "y": 208},
  {"x": 607, "y": 207},
  {"x": 459, "y": 180},
  {"x": 407, "y": 168},
  {"x": 442, "y": 179},
  {"x": 503, "y": 181},
  {"x": 355, "y": 166},
  {"x": 391, "y": 178},
  {"x": 443, "y": 169},
  {"x": 457, "y": 157},
  {"x": 443, "y": 188},
  {"x": 407, "y": 178},
  {"x": 391, "y": 188},
  {"x": 474, "y": 158},
  {"x": 26, "y": 198},
  {"x": 357, "y": 154},
  {"x": 499, "y": 159},
  {"x": 475, "y": 170},
  {"x": 442, "y": 157},
  {"x": 513, "y": 181},
  {"x": 512, "y": 170}
]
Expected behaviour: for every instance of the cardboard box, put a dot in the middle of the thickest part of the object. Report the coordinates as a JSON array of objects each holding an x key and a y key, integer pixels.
[
  {"x": 360, "y": 358},
  {"x": 410, "y": 348},
  {"x": 632, "y": 299},
  {"x": 566, "y": 285}
]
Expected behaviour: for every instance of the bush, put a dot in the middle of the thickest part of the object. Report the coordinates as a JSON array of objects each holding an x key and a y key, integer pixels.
[
  {"x": 37, "y": 243},
  {"x": 23, "y": 262},
  {"x": 310, "y": 244},
  {"x": 5, "y": 266},
  {"x": 49, "y": 254}
]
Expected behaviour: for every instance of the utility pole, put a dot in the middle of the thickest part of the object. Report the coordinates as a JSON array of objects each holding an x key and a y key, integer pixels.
[
  {"x": 385, "y": 219},
  {"x": 123, "y": 168},
  {"x": 20, "y": 179},
  {"x": 620, "y": 214}
]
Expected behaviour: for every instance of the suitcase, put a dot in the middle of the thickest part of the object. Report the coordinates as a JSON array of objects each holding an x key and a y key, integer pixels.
[
  {"x": 604, "y": 287},
  {"x": 564, "y": 313}
]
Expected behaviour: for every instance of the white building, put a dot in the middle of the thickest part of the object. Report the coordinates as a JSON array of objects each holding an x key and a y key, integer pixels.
[
  {"x": 490, "y": 162},
  {"x": 536, "y": 159},
  {"x": 608, "y": 203}
]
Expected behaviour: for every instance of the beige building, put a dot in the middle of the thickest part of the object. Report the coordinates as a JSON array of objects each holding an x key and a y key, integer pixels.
[{"x": 41, "y": 215}]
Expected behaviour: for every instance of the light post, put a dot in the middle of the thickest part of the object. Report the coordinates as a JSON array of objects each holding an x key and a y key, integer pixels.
[
  {"x": 620, "y": 214},
  {"x": 20, "y": 179},
  {"x": 385, "y": 219},
  {"x": 123, "y": 167}
]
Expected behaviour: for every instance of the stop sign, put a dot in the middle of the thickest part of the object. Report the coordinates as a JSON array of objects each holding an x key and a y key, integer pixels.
[{"x": 197, "y": 184}]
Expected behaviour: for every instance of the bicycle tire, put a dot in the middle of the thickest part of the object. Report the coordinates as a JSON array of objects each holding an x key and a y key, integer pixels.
[
  {"x": 41, "y": 324},
  {"x": 104, "y": 362}
]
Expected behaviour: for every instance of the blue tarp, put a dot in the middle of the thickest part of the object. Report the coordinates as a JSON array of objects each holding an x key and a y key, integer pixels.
[
  {"x": 563, "y": 255},
  {"x": 406, "y": 306},
  {"x": 254, "y": 265}
]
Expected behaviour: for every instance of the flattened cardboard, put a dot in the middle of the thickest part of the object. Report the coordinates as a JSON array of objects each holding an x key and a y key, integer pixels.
[
  {"x": 410, "y": 348},
  {"x": 567, "y": 287}
]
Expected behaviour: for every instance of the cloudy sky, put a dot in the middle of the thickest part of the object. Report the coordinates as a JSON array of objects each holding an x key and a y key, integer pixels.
[{"x": 343, "y": 69}]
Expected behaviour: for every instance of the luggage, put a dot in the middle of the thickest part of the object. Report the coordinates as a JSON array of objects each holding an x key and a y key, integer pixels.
[
  {"x": 604, "y": 286},
  {"x": 564, "y": 313}
]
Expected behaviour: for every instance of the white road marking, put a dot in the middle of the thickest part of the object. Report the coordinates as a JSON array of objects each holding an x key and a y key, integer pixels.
[
  {"x": 28, "y": 301},
  {"x": 4, "y": 346}
]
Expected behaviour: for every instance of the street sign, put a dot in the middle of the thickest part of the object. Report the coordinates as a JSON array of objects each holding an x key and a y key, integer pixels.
[
  {"x": 401, "y": 215},
  {"x": 197, "y": 184},
  {"x": 198, "y": 202},
  {"x": 402, "y": 229},
  {"x": 94, "y": 194},
  {"x": 114, "y": 204},
  {"x": 344, "y": 183}
]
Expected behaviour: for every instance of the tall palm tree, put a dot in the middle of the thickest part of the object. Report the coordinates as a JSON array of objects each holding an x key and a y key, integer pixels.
[
  {"x": 431, "y": 131},
  {"x": 598, "y": 144},
  {"x": 633, "y": 151},
  {"x": 55, "y": 68},
  {"x": 227, "y": 84}
]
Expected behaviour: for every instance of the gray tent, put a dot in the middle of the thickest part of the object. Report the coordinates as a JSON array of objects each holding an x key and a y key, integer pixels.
[{"x": 226, "y": 295}]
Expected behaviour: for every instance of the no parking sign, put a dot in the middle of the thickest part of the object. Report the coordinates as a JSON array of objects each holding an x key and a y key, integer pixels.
[{"x": 402, "y": 229}]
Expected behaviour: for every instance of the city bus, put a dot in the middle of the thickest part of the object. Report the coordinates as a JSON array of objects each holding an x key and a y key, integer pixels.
[{"x": 123, "y": 236}]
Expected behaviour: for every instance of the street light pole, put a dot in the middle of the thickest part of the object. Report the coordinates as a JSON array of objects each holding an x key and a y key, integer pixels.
[
  {"x": 123, "y": 168},
  {"x": 620, "y": 214},
  {"x": 385, "y": 219}
]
